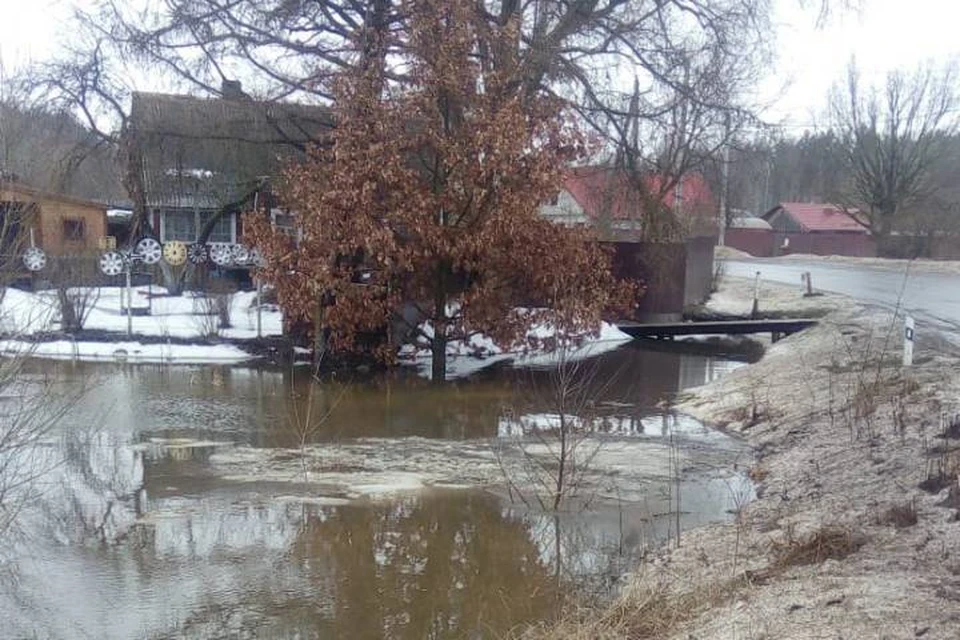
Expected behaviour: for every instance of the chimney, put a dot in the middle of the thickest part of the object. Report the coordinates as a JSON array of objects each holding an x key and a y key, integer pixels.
[{"x": 232, "y": 90}]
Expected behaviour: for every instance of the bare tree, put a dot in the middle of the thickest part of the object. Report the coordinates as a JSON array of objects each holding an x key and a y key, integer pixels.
[
  {"x": 889, "y": 138},
  {"x": 74, "y": 280},
  {"x": 692, "y": 59},
  {"x": 663, "y": 83},
  {"x": 557, "y": 449}
]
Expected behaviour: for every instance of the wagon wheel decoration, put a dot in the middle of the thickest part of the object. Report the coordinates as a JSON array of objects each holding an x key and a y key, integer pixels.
[
  {"x": 240, "y": 254},
  {"x": 112, "y": 263},
  {"x": 149, "y": 250},
  {"x": 220, "y": 254},
  {"x": 34, "y": 259},
  {"x": 175, "y": 253},
  {"x": 197, "y": 253}
]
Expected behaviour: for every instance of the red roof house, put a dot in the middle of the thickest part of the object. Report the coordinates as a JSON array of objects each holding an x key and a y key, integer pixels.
[
  {"x": 675, "y": 271},
  {"x": 811, "y": 217},
  {"x": 819, "y": 229},
  {"x": 605, "y": 195}
]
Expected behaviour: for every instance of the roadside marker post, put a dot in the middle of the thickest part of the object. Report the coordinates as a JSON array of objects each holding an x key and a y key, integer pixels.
[
  {"x": 908, "y": 337},
  {"x": 756, "y": 297}
]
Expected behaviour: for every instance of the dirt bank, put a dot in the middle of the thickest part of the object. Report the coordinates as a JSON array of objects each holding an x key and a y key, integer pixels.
[{"x": 855, "y": 530}]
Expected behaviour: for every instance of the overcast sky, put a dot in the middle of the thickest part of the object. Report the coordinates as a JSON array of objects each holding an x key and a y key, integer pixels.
[{"x": 886, "y": 34}]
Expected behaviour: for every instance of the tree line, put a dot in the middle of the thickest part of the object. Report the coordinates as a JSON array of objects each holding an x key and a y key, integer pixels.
[{"x": 887, "y": 153}]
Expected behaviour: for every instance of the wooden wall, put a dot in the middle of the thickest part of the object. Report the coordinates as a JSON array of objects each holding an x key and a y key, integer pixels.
[{"x": 55, "y": 215}]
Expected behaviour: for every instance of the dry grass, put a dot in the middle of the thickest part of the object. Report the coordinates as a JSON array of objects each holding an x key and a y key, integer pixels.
[
  {"x": 758, "y": 474},
  {"x": 830, "y": 542},
  {"x": 900, "y": 516},
  {"x": 943, "y": 468},
  {"x": 646, "y": 610}
]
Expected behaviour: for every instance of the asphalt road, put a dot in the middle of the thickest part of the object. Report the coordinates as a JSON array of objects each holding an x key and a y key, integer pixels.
[{"x": 933, "y": 299}]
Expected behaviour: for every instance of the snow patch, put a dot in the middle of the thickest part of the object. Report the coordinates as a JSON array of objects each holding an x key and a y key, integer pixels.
[
  {"x": 125, "y": 352},
  {"x": 464, "y": 358}
]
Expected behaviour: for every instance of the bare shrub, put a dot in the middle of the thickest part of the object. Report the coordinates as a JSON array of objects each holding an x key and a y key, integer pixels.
[
  {"x": 212, "y": 309},
  {"x": 719, "y": 270},
  {"x": 75, "y": 281},
  {"x": 30, "y": 407},
  {"x": 311, "y": 412},
  {"x": 222, "y": 293},
  {"x": 829, "y": 542},
  {"x": 556, "y": 449},
  {"x": 900, "y": 516},
  {"x": 15, "y": 219},
  {"x": 205, "y": 316},
  {"x": 943, "y": 468}
]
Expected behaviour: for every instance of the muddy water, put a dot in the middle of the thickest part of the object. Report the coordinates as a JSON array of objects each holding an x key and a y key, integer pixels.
[{"x": 166, "y": 508}]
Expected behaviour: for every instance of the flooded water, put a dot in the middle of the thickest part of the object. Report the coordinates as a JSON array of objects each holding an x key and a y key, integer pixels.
[{"x": 211, "y": 502}]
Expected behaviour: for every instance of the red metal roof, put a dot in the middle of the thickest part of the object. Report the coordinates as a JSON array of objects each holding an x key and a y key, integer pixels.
[
  {"x": 605, "y": 191},
  {"x": 817, "y": 216}
]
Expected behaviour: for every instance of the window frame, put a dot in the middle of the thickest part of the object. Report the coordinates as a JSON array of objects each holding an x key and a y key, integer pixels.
[
  {"x": 79, "y": 234},
  {"x": 197, "y": 217}
]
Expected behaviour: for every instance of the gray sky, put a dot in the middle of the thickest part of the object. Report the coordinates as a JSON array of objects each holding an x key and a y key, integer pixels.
[{"x": 887, "y": 34}]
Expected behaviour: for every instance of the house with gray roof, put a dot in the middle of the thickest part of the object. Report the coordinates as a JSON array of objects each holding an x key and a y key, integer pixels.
[{"x": 205, "y": 160}]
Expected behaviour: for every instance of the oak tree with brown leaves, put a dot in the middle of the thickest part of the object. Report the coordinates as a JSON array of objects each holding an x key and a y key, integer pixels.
[{"x": 427, "y": 197}]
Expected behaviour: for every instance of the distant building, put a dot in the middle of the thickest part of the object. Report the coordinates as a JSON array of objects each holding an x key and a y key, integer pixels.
[
  {"x": 750, "y": 234},
  {"x": 606, "y": 199},
  {"x": 60, "y": 225},
  {"x": 666, "y": 241},
  {"x": 819, "y": 229}
]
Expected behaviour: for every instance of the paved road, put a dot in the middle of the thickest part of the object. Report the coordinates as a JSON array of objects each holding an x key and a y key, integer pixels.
[{"x": 932, "y": 298}]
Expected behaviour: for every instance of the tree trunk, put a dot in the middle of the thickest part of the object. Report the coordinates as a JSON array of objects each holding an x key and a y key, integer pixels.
[
  {"x": 69, "y": 322},
  {"x": 881, "y": 234},
  {"x": 319, "y": 334},
  {"x": 172, "y": 281},
  {"x": 438, "y": 371}
]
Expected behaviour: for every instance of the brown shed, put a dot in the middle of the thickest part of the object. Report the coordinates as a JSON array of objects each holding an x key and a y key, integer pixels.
[{"x": 61, "y": 225}]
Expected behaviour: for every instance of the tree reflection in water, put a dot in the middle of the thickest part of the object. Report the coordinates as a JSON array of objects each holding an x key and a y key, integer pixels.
[{"x": 450, "y": 565}]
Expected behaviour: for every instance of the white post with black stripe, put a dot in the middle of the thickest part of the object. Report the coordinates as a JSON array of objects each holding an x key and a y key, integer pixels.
[{"x": 908, "y": 336}]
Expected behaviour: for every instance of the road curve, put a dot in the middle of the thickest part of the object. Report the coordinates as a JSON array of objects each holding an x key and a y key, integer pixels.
[{"x": 932, "y": 298}]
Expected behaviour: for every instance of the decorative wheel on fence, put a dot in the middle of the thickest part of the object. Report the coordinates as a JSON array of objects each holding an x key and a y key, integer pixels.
[
  {"x": 34, "y": 259},
  {"x": 150, "y": 250},
  {"x": 175, "y": 253},
  {"x": 239, "y": 254},
  {"x": 220, "y": 254},
  {"x": 256, "y": 259},
  {"x": 197, "y": 253},
  {"x": 112, "y": 263}
]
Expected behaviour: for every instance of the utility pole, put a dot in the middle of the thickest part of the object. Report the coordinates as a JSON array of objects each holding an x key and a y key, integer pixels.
[{"x": 724, "y": 180}]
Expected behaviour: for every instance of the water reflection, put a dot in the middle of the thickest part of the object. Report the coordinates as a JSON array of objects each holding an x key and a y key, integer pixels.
[
  {"x": 436, "y": 566},
  {"x": 260, "y": 407},
  {"x": 134, "y": 536}
]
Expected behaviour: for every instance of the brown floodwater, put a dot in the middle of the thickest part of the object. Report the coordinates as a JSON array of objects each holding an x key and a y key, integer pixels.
[{"x": 134, "y": 533}]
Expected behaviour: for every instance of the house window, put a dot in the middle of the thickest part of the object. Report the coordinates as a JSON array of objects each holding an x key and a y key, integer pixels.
[
  {"x": 179, "y": 224},
  {"x": 185, "y": 225},
  {"x": 285, "y": 223},
  {"x": 73, "y": 230},
  {"x": 222, "y": 229}
]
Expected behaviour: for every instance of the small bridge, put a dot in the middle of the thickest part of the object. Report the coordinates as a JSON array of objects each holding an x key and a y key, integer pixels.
[{"x": 777, "y": 328}]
